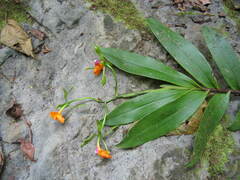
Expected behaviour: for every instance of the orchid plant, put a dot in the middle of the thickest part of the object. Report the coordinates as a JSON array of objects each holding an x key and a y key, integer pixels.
[{"x": 160, "y": 112}]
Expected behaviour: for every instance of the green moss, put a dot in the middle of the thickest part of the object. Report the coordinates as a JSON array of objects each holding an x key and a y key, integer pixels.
[
  {"x": 193, "y": 13},
  {"x": 233, "y": 14},
  {"x": 219, "y": 147},
  {"x": 12, "y": 10},
  {"x": 121, "y": 10},
  {"x": 222, "y": 30}
]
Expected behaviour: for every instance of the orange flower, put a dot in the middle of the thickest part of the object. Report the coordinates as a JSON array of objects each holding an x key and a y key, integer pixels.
[
  {"x": 103, "y": 153},
  {"x": 57, "y": 116},
  {"x": 98, "y": 67}
]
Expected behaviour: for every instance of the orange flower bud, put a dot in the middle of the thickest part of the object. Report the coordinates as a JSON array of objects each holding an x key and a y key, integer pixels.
[
  {"x": 57, "y": 116},
  {"x": 98, "y": 68},
  {"x": 103, "y": 153}
]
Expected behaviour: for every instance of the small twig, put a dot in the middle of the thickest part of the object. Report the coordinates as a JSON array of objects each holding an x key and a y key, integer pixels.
[
  {"x": 40, "y": 24},
  {"x": 29, "y": 124},
  {"x": 113, "y": 129},
  {"x": 115, "y": 79}
]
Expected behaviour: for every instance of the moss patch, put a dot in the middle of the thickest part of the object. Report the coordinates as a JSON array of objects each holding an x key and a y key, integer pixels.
[
  {"x": 233, "y": 14},
  {"x": 12, "y": 10},
  {"x": 222, "y": 30},
  {"x": 121, "y": 10},
  {"x": 219, "y": 147}
]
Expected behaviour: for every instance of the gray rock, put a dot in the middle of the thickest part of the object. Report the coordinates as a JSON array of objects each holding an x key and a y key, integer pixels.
[
  {"x": 64, "y": 14},
  {"x": 38, "y": 88},
  {"x": 5, "y": 53},
  {"x": 201, "y": 19}
]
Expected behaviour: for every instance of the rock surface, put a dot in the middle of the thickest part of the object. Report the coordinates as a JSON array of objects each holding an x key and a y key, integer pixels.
[{"x": 73, "y": 31}]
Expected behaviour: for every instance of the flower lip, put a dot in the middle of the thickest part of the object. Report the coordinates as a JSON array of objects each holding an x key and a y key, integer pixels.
[
  {"x": 57, "y": 116},
  {"x": 98, "y": 67},
  {"x": 103, "y": 153}
]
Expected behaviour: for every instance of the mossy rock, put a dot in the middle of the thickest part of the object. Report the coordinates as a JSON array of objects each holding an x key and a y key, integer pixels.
[
  {"x": 121, "y": 10},
  {"x": 219, "y": 147},
  {"x": 12, "y": 10},
  {"x": 232, "y": 12}
]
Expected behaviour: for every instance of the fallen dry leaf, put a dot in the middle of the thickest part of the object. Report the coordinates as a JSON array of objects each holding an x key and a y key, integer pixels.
[
  {"x": 27, "y": 148},
  {"x": 13, "y": 36},
  {"x": 46, "y": 50},
  {"x": 199, "y": 6},
  {"x": 180, "y": 4},
  {"x": 38, "y": 34},
  {"x": 15, "y": 111},
  {"x": 192, "y": 125},
  {"x": 1, "y": 161},
  {"x": 205, "y": 2}
]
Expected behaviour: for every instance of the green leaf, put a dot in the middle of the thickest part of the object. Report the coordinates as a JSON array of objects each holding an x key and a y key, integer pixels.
[
  {"x": 184, "y": 52},
  {"x": 164, "y": 119},
  {"x": 235, "y": 126},
  {"x": 211, "y": 119},
  {"x": 145, "y": 66},
  {"x": 66, "y": 93},
  {"x": 139, "y": 107},
  {"x": 226, "y": 59}
]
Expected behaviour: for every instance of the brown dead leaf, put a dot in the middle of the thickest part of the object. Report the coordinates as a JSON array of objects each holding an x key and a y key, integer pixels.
[
  {"x": 199, "y": 6},
  {"x": 46, "y": 50},
  {"x": 192, "y": 124},
  {"x": 205, "y": 2},
  {"x": 15, "y": 111},
  {"x": 38, "y": 34},
  {"x": 13, "y": 36},
  {"x": 1, "y": 161},
  {"x": 181, "y": 4},
  {"x": 27, "y": 148}
]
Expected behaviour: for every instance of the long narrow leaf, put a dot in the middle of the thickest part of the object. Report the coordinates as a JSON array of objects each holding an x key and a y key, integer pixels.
[
  {"x": 145, "y": 66},
  {"x": 223, "y": 54},
  {"x": 211, "y": 119},
  {"x": 235, "y": 126},
  {"x": 163, "y": 120},
  {"x": 139, "y": 107},
  {"x": 184, "y": 52}
]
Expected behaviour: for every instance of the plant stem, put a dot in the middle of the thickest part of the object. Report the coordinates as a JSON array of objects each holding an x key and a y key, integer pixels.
[
  {"x": 128, "y": 95},
  {"x": 115, "y": 79},
  {"x": 234, "y": 92},
  {"x": 111, "y": 131}
]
